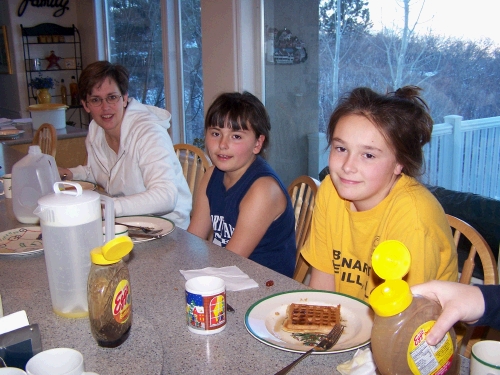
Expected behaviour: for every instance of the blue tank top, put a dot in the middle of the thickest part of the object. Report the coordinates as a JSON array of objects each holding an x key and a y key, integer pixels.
[{"x": 277, "y": 249}]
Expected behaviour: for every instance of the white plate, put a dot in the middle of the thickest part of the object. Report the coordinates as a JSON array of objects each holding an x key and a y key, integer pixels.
[
  {"x": 21, "y": 241},
  {"x": 154, "y": 222},
  {"x": 265, "y": 317},
  {"x": 10, "y": 133},
  {"x": 84, "y": 184}
]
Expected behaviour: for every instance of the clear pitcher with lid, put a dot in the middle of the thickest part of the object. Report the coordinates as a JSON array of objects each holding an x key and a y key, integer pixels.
[{"x": 71, "y": 223}]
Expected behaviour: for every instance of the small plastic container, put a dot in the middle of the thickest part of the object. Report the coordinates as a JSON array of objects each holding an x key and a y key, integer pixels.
[
  {"x": 109, "y": 293},
  {"x": 32, "y": 178},
  {"x": 402, "y": 321},
  {"x": 53, "y": 113}
]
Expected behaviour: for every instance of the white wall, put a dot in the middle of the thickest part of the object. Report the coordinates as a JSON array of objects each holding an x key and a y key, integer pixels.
[{"x": 13, "y": 93}]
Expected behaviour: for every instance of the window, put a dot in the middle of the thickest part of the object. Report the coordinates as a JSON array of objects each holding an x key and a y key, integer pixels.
[
  {"x": 135, "y": 40},
  {"x": 370, "y": 46}
]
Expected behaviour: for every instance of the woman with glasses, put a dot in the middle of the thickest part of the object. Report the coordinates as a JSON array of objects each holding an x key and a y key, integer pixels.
[{"x": 130, "y": 153}]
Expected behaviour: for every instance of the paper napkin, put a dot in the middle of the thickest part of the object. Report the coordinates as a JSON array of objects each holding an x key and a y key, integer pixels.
[
  {"x": 13, "y": 321},
  {"x": 234, "y": 278},
  {"x": 361, "y": 364}
]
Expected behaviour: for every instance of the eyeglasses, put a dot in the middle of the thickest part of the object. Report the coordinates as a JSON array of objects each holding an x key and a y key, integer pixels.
[{"x": 96, "y": 101}]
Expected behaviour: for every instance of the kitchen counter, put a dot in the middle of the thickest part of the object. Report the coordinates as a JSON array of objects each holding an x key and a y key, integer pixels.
[{"x": 71, "y": 149}]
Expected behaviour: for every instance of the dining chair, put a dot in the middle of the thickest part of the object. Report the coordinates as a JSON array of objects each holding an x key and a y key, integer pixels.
[
  {"x": 302, "y": 192},
  {"x": 46, "y": 138},
  {"x": 466, "y": 335},
  {"x": 194, "y": 163}
]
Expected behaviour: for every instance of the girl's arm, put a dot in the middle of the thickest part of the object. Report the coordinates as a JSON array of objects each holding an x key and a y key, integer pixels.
[
  {"x": 201, "y": 223},
  {"x": 322, "y": 280},
  {"x": 263, "y": 203}
]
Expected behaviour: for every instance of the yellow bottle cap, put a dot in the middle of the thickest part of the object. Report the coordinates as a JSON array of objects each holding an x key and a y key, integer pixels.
[
  {"x": 391, "y": 261},
  {"x": 97, "y": 258},
  {"x": 112, "y": 251},
  {"x": 117, "y": 248}
]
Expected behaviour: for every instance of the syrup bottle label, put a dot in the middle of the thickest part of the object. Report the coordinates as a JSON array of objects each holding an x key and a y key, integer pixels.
[
  {"x": 425, "y": 359},
  {"x": 122, "y": 302}
]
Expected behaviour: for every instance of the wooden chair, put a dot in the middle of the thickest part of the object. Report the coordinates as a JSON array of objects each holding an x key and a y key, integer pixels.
[
  {"x": 194, "y": 163},
  {"x": 302, "y": 192},
  {"x": 46, "y": 138},
  {"x": 467, "y": 336}
]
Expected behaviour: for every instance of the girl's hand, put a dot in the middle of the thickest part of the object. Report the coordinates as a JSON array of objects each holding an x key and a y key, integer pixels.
[{"x": 460, "y": 302}]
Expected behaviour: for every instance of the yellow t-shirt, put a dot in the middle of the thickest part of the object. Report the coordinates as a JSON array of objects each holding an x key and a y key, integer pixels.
[{"x": 342, "y": 241}]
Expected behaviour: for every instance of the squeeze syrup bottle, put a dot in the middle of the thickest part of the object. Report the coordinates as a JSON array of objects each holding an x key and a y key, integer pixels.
[
  {"x": 403, "y": 320},
  {"x": 64, "y": 93},
  {"x": 109, "y": 294},
  {"x": 73, "y": 91}
]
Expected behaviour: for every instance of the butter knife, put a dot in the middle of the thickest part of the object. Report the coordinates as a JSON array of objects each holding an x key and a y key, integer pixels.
[{"x": 145, "y": 235}]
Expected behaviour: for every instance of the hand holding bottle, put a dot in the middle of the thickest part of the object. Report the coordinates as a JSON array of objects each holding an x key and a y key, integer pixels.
[{"x": 460, "y": 302}]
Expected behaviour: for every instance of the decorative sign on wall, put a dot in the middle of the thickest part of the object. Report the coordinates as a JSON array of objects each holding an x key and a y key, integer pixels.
[
  {"x": 282, "y": 47},
  {"x": 61, "y": 5}
]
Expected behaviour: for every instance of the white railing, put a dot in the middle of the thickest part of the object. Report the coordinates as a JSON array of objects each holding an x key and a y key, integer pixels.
[
  {"x": 465, "y": 156},
  {"x": 462, "y": 155}
]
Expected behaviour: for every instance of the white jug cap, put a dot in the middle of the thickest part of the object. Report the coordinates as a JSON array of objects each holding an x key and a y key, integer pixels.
[
  {"x": 67, "y": 208},
  {"x": 34, "y": 150}
]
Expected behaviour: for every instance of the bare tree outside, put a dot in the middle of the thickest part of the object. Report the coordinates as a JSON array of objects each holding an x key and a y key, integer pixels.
[
  {"x": 458, "y": 76},
  {"x": 136, "y": 42}
]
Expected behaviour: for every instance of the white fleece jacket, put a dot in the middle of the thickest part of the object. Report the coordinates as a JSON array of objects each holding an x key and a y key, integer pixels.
[{"x": 147, "y": 177}]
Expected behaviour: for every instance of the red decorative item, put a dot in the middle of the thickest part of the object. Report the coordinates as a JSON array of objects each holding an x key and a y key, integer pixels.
[{"x": 53, "y": 60}]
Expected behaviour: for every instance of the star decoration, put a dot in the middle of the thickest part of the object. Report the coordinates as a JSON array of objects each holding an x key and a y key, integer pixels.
[{"x": 53, "y": 60}]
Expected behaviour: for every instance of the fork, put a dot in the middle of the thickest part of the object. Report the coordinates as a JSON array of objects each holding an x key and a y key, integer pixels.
[
  {"x": 144, "y": 229},
  {"x": 327, "y": 343}
]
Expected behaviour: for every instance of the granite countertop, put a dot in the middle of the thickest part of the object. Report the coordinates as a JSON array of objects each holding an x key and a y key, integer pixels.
[
  {"x": 27, "y": 136},
  {"x": 159, "y": 342}
]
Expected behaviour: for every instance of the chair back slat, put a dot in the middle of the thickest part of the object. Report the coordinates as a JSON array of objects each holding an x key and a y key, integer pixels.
[
  {"x": 46, "y": 138},
  {"x": 194, "y": 163},
  {"x": 467, "y": 335},
  {"x": 302, "y": 193}
]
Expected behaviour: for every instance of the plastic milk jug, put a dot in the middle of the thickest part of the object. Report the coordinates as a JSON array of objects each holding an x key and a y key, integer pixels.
[
  {"x": 71, "y": 223},
  {"x": 32, "y": 177}
]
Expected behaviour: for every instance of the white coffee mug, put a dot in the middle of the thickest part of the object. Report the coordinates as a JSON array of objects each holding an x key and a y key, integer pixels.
[
  {"x": 58, "y": 361},
  {"x": 120, "y": 231},
  {"x": 11, "y": 371},
  {"x": 485, "y": 358},
  {"x": 7, "y": 185}
]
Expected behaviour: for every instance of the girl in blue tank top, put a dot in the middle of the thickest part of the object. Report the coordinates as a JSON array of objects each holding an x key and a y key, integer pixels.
[{"x": 240, "y": 197}]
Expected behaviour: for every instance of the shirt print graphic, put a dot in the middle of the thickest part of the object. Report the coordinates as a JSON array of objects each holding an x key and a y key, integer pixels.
[
  {"x": 352, "y": 271},
  {"x": 222, "y": 230}
]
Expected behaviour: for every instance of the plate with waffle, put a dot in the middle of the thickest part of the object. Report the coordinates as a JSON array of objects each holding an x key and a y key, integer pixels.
[{"x": 295, "y": 321}]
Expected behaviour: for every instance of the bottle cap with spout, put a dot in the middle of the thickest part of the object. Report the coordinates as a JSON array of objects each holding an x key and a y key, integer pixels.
[
  {"x": 391, "y": 261},
  {"x": 112, "y": 251}
]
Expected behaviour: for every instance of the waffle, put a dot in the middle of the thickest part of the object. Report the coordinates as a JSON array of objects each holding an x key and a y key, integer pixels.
[{"x": 303, "y": 318}]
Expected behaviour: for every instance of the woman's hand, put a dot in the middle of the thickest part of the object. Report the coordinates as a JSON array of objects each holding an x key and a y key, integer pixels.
[
  {"x": 460, "y": 302},
  {"x": 65, "y": 174}
]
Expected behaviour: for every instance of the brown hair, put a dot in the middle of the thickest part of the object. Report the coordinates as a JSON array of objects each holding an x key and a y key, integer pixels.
[
  {"x": 402, "y": 117},
  {"x": 239, "y": 111},
  {"x": 94, "y": 74}
]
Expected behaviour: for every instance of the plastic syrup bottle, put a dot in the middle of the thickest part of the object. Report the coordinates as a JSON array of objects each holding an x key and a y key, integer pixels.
[
  {"x": 109, "y": 293},
  {"x": 402, "y": 321},
  {"x": 64, "y": 93},
  {"x": 32, "y": 178},
  {"x": 73, "y": 91}
]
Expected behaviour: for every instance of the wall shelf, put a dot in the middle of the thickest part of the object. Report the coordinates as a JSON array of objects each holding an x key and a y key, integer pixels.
[{"x": 70, "y": 52}]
